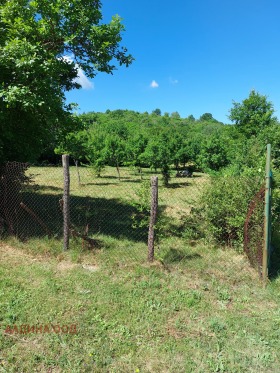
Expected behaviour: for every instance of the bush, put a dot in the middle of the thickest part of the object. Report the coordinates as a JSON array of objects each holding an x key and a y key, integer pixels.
[{"x": 224, "y": 205}]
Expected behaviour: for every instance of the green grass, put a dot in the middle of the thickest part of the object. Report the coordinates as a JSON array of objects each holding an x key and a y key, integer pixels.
[
  {"x": 197, "y": 308},
  {"x": 204, "y": 310},
  {"x": 104, "y": 207}
]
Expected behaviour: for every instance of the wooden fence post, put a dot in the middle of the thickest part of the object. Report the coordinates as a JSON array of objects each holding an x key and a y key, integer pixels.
[
  {"x": 66, "y": 204},
  {"x": 153, "y": 217}
]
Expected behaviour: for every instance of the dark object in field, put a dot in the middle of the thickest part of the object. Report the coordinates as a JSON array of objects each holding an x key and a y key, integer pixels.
[{"x": 184, "y": 173}]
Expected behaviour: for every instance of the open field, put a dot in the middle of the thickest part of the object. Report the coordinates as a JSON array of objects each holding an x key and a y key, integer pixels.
[
  {"x": 108, "y": 185},
  {"x": 197, "y": 308},
  {"x": 105, "y": 206}
]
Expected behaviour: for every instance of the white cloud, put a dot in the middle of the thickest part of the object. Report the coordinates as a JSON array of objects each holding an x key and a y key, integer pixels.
[
  {"x": 154, "y": 84},
  {"x": 81, "y": 78}
]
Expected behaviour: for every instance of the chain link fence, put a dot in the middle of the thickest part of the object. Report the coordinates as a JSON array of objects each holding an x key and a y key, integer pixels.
[
  {"x": 110, "y": 214},
  {"x": 109, "y": 207}
]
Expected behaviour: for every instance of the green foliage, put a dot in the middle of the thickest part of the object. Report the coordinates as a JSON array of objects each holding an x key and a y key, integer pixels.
[
  {"x": 37, "y": 38},
  {"x": 114, "y": 151},
  {"x": 252, "y": 115},
  {"x": 150, "y": 140},
  {"x": 271, "y": 135},
  {"x": 142, "y": 205},
  {"x": 135, "y": 148},
  {"x": 191, "y": 118},
  {"x": 156, "y": 112},
  {"x": 74, "y": 144},
  {"x": 165, "y": 142},
  {"x": 213, "y": 155},
  {"x": 206, "y": 117},
  {"x": 158, "y": 155},
  {"x": 96, "y": 152},
  {"x": 224, "y": 205},
  {"x": 175, "y": 114}
]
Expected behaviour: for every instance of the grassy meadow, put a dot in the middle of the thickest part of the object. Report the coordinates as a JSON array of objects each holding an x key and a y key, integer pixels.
[
  {"x": 197, "y": 308},
  {"x": 105, "y": 207}
]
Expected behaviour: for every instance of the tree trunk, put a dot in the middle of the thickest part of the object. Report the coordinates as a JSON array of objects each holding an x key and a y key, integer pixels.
[{"x": 118, "y": 170}]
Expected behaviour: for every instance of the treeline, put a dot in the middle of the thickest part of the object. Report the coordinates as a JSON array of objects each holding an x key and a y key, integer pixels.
[
  {"x": 128, "y": 138},
  {"x": 162, "y": 142},
  {"x": 233, "y": 154}
]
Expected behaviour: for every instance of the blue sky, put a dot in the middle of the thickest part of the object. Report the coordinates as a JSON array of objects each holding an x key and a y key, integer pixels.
[{"x": 191, "y": 56}]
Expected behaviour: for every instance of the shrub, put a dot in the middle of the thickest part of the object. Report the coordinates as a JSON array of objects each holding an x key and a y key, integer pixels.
[{"x": 224, "y": 206}]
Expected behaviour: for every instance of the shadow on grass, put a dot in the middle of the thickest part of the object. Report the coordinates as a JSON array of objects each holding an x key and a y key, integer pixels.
[
  {"x": 43, "y": 188},
  {"x": 274, "y": 270},
  {"x": 176, "y": 255},
  {"x": 128, "y": 180},
  {"x": 274, "y": 262},
  {"x": 99, "y": 184},
  {"x": 114, "y": 177},
  {"x": 177, "y": 185},
  {"x": 92, "y": 216}
]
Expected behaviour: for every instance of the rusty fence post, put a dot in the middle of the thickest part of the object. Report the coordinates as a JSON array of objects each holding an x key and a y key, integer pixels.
[
  {"x": 153, "y": 217},
  {"x": 66, "y": 201}
]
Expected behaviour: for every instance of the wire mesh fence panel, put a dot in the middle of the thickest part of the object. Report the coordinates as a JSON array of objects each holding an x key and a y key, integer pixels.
[
  {"x": 30, "y": 201},
  {"x": 11, "y": 182},
  {"x": 102, "y": 205},
  {"x": 254, "y": 231},
  {"x": 110, "y": 213},
  {"x": 41, "y": 197}
]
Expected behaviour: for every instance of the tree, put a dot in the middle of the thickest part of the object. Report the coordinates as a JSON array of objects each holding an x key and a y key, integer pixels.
[
  {"x": 158, "y": 155},
  {"x": 191, "y": 118},
  {"x": 213, "y": 154},
  {"x": 253, "y": 114},
  {"x": 75, "y": 144},
  {"x": 175, "y": 114},
  {"x": 96, "y": 151},
  {"x": 43, "y": 44},
  {"x": 115, "y": 151},
  {"x": 206, "y": 117},
  {"x": 135, "y": 148},
  {"x": 157, "y": 112}
]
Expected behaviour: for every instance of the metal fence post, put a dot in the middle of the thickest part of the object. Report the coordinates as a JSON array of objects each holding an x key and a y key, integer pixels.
[
  {"x": 66, "y": 198},
  {"x": 153, "y": 217},
  {"x": 267, "y": 216}
]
